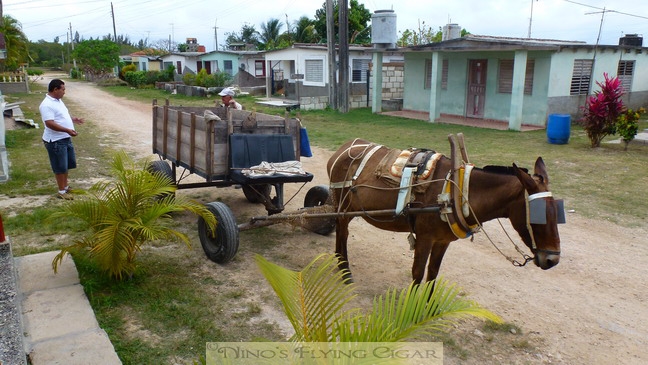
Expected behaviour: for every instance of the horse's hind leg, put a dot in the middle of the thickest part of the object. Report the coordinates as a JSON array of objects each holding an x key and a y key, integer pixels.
[
  {"x": 436, "y": 256},
  {"x": 421, "y": 253},
  {"x": 341, "y": 237}
]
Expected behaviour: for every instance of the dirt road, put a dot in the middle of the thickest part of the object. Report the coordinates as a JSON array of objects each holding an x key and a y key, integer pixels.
[{"x": 590, "y": 309}]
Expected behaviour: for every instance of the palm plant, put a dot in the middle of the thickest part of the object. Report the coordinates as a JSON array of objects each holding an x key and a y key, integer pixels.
[
  {"x": 314, "y": 301},
  {"x": 270, "y": 32},
  {"x": 16, "y": 43},
  {"x": 124, "y": 214}
]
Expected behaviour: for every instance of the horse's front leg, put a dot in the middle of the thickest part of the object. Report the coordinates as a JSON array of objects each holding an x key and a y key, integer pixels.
[{"x": 341, "y": 238}]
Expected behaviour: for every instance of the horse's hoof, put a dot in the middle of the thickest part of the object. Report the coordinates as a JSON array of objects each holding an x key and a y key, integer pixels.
[{"x": 347, "y": 278}]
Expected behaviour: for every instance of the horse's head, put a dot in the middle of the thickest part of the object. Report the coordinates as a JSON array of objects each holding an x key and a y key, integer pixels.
[{"x": 537, "y": 217}]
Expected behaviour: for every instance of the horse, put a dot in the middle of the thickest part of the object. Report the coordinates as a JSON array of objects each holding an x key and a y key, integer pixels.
[{"x": 493, "y": 192}]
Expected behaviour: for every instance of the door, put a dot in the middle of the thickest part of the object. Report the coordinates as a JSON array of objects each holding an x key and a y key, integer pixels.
[{"x": 476, "y": 88}]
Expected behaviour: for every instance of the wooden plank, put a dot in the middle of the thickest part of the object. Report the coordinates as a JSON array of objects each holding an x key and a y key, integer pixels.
[{"x": 192, "y": 143}]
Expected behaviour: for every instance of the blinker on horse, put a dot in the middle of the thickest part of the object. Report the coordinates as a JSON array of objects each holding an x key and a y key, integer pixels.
[{"x": 459, "y": 196}]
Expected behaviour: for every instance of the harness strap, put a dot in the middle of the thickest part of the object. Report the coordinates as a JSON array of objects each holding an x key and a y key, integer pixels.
[{"x": 365, "y": 159}]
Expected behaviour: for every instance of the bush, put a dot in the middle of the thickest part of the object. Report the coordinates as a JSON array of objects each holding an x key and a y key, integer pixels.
[
  {"x": 135, "y": 78},
  {"x": 34, "y": 72},
  {"x": 602, "y": 110},
  {"x": 125, "y": 69},
  {"x": 627, "y": 125}
]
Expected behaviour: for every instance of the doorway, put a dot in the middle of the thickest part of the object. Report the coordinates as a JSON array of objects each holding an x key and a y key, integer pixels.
[{"x": 476, "y": 88}]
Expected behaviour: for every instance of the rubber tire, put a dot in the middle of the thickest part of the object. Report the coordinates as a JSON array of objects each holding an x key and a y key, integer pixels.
[
  {"x": 222, "y": 248},
  {"x": 252, "y": 195},
  {"x": 164, "y": 168},
  {"x": 317, "y": 196}
]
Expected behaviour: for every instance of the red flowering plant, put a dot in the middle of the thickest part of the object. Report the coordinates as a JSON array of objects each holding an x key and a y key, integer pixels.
[{"x": 602, "y": 110}]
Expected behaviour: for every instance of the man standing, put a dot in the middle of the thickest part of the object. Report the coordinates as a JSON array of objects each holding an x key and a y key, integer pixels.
[{"x": 57, "y": 135}]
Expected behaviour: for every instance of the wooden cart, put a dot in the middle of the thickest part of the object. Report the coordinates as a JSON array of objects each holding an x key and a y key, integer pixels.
[{"x": 218, "y": 144}]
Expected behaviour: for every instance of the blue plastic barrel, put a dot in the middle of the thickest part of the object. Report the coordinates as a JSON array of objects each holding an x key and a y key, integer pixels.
[{"x": 558, "y": 128}]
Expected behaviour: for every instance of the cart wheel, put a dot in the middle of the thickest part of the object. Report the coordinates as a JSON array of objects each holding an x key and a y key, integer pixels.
[
  {"x": 222, "y": 247},
  {"x": 317, "y": 196},
  {"x": 162, "y": 167},
  {"x": 256, "y": 193}
]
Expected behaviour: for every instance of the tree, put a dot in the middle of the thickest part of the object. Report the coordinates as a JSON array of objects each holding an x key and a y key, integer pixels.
[
  {"x": 314, "y": 299},
  {"x": 423, "y": 35},
  {"x": 16, "y": 43},
  {"x": 124, "y": 214},
  {"x": 359, "y": 16},
  {"x": 270, "y": 32},
  {"x": 47, "y": 54},
  {"x": 247, "y": 35},
  {"x": 97, "y": 58},
  {"x": 304, "y": 31}
]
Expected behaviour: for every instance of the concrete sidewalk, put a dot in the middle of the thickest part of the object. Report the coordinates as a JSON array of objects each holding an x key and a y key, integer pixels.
[{"x": 59, "y": 324}]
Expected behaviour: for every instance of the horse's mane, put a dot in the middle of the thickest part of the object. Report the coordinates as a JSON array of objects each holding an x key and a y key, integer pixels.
[{"x": 502, "y": 170}]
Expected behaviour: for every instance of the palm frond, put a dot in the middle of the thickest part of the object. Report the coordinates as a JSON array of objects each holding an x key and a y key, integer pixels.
[
  {"x": 124, "y": 213},
  {"x": 413, "y": 312},
  {"x": 312, "y": 298}
]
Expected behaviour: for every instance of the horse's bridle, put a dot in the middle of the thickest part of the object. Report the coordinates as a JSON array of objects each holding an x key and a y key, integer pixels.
[{"x": 534, "y": 247}]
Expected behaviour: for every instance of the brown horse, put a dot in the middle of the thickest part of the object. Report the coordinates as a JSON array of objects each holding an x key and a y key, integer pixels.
[{"x": 493, "y": 193}]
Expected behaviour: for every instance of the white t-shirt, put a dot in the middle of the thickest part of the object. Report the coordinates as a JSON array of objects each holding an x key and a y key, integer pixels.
[{"x": 54, "y": 109}]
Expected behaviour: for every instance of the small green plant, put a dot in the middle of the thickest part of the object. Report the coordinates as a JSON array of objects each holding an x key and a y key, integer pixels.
[
  {"x": 313, "y": 300},
  {"x": 602, "y": 110},
  {"x": 627, "y": 125},
  {"x": 124, "y": 214}
]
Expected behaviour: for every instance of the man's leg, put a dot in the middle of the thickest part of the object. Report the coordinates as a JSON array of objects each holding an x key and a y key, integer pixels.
[{"x": 61, "y": 181}]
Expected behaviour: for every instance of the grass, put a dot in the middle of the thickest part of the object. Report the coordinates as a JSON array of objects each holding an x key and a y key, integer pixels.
[{"x": 176, "y": 303}]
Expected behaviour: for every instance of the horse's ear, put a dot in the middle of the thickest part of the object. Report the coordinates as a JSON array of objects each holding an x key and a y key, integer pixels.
[
  {"x": 527, "y": 181},
  {"x": 541, "y": 171}
]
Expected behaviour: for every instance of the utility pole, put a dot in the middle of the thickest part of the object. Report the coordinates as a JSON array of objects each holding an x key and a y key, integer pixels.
[
  {"x": 216, "y": 35},
  {"x": 343, "y": 35},
  {"x": 330, "y": 42},
  {"x": 112, "y": 11},
  {"x": 72, "y": 45},
  {"x": 531, "y": 18}
]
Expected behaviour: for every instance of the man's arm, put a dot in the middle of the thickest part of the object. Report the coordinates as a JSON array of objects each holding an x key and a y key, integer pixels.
[{"x": 51, "y": 124}]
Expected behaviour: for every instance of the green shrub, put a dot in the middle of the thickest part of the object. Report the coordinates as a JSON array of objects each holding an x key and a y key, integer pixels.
[
  {"x": 135, "y": 78},
  {"x": 34, "y": 72},
  {"x": 125, "y": 69},
  {"x": 627, "y": 125}
]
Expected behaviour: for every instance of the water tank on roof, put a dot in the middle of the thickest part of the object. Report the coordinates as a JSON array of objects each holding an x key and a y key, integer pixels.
[
  {"x": 631, "y": 40},
  {"x": 383, "y": 29},
  {"x": 450, "y": 31}
]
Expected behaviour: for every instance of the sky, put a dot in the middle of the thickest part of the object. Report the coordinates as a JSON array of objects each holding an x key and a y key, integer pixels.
[{"x": 208, "y": 20}]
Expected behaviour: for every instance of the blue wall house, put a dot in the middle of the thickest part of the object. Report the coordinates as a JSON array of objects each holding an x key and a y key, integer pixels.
[
  {"x": 517, "y": 80},
  {"x": 247, "y": 68}
]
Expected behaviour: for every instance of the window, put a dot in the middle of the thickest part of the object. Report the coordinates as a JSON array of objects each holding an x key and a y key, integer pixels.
[
  {"x": 625, "y": 73},
  {"x": 227, "y": 64},
  {"x": 581, "y": 77},
  {"x": 359, "y": 70},
  {"x": 259, "y": 68},
  {"x": 444, "y": 75},
  {"x": 505, "y": 80},
  {"x": 314, "y": 71},
  {"x": 428, "y": 74}
]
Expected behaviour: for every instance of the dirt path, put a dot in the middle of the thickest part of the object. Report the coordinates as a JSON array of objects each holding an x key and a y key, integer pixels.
[{"x": 590, "y": 309}]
